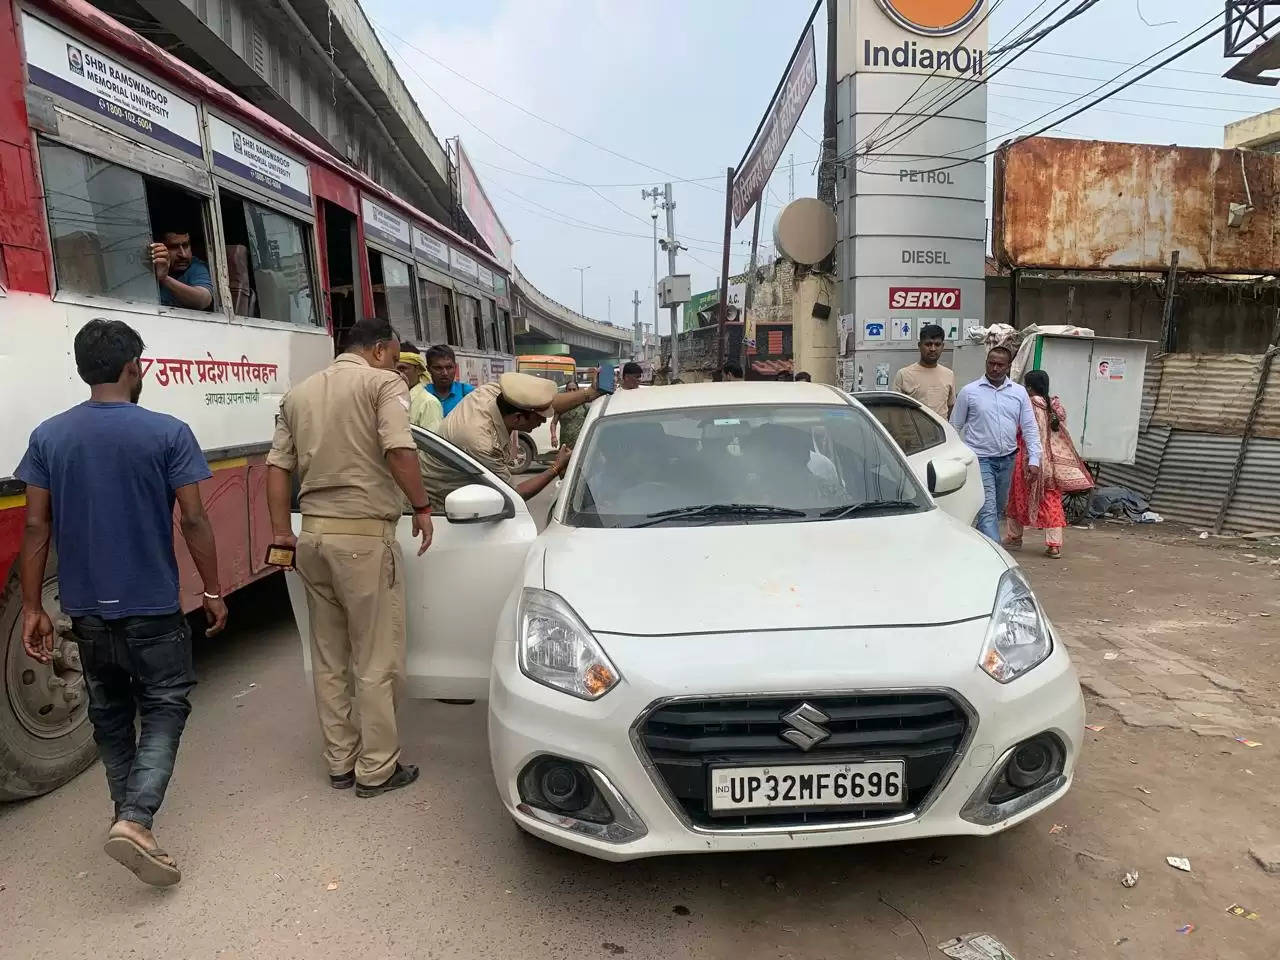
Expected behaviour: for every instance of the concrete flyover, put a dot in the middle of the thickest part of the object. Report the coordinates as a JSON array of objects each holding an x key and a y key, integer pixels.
[{"x": 539, "y": 319}]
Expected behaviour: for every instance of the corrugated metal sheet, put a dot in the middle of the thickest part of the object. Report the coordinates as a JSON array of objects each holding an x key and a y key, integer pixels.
[
  {"x": 1140, "y": 476},
  {"x": 1090, "y": 205},
  {"x": 1213, "y": 394},
  {"x": 1256, "y": 505},
  {"x": 1150, "y": 390},
  {"x": 1193, "y": 476}
]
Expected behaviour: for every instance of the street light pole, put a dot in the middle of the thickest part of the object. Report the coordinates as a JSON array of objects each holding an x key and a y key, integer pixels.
[{"x": 582, "y": 300}]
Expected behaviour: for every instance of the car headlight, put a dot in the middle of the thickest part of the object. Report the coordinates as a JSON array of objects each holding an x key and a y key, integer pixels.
[
  {"x": 1017, "y": 637},
  {"x": 558, "y": 650}
]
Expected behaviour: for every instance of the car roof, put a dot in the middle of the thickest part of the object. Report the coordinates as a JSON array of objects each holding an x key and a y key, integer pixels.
[{"x": 708, "y": 394}]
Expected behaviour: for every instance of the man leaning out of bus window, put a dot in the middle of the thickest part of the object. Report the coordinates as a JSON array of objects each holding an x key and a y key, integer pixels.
[{"x": 183, "y": 277}]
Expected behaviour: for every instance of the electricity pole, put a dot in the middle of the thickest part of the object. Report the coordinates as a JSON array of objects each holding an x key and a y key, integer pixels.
[
  {"x": 672, "y": 247},
  {"x": 662, "y": 198},
  {"x": 653, "y": 195},
  {"x": 636, "y": 349}
]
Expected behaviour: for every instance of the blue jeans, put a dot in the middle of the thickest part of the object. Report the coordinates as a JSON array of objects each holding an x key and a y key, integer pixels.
[
  {"x": 137, "y": 665},
  {"x": 997, "y": 473}
]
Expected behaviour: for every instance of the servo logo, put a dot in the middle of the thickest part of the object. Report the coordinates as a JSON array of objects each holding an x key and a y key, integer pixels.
[{"x": 932, "y": 18}]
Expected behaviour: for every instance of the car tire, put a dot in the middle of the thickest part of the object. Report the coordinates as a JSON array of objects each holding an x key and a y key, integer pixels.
[
  {"x": 34, "y": 760},
  {"x": 526, "y": 454}
]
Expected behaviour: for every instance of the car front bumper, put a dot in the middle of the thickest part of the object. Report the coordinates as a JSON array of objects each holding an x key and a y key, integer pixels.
[{"x": 528, "y": 720}]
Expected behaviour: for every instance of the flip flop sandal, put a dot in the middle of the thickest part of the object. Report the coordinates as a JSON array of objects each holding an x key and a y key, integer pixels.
[{"x": 143, "y": 864}]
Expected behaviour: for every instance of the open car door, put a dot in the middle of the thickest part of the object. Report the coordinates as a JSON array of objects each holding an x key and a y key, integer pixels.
[
  {"x": 923, "y": 437},
  {"x": 455, "y": 592}
]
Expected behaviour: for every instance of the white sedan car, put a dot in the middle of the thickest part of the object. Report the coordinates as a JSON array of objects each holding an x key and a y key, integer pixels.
[{"x": 751, "y": 623}]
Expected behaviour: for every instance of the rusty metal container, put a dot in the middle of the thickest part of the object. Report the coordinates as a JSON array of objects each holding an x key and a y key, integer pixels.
[{"x": 1100, "y": 205}]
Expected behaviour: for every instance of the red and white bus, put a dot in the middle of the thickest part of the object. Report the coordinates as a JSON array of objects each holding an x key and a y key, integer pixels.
[{"x": 105, "y": 140}]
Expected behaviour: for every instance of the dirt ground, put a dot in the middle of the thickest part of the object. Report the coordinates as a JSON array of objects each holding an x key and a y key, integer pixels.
[{"x": 277, "y": 865}]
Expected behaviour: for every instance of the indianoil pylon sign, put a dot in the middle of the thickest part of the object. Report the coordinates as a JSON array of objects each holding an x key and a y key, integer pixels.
[{"x": 932, "y": 18}]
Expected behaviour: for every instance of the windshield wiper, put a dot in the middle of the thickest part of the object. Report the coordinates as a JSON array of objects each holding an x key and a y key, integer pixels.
[
  {"x": 867, "y": 506},
  {"x": 719, "y": 510}
]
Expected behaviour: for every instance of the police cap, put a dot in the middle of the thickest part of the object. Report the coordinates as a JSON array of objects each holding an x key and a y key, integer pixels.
[{"x": 527, "y": 392}]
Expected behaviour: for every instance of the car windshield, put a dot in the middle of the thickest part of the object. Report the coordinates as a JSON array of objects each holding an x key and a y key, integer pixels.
[{"x": 755, "y": 463}]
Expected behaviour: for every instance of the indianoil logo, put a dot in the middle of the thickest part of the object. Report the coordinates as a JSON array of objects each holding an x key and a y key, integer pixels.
[{"x": 932, "y": 18}]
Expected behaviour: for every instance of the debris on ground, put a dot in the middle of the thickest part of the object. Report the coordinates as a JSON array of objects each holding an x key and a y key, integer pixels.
[
  {"x": 332, "y": 885},
  {"x": 1110, "y": 655},
  {"x": 1095, "y": 727},
  {"x": 1186, "y": 928},
  {"x": 1238, "y": 911},
  {"x": 1204, "y": 534},
  {"x": 976, "y": 946},
  {"x": 1268, "y": 858},
  {"x": 1144, "y": 790},
  {"x": 1057, "y": 828},
  {"x": 1179, "y": 863},
  {"x": 680, "y": 910},
  {"x": 1130, "y": 879},
  {"x": 1247, "y": 742}
]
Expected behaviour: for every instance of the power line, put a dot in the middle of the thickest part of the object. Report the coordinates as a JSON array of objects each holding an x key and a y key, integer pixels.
[
  {"x": 916, "y": 122},
  {"x": 526, "y": 110},
  {"x": 1154, "y": 103},
  {"x": 1075, "y": 113},
  {"x": 933, "y": 73},
  {"x": 512, "y": 150},
  {"x": 1154, "y": 86}
]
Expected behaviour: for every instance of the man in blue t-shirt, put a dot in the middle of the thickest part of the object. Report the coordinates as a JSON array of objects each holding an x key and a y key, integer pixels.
[
  {"x": 183, "y": 277},
  {"x": 443, "y": 367},
  {"x": 102, "y": 479}
]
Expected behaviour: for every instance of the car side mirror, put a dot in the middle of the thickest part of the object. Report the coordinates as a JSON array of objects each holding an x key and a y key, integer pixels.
[
  {"x": 946, "y": 476},
  {"x": 475, "y": 503}
]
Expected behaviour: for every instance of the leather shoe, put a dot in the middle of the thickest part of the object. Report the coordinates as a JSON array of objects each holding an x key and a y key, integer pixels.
[{"x": 405, "y": 774}]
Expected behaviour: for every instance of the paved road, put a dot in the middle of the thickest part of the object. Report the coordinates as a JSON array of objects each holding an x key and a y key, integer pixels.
[{"x": 437, "y": 870}]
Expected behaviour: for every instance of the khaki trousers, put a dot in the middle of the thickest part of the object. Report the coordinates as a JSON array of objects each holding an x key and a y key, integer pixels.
[{"x": 355, "y": 600}]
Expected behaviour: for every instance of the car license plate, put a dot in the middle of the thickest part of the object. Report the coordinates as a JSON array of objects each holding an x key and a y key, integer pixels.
[{"x": 854, "y": 784}]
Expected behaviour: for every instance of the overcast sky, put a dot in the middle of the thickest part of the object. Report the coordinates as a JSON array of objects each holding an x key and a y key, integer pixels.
[{"x": 673, "y": 89}]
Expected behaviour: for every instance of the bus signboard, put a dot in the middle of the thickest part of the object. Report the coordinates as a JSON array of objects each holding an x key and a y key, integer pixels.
[
  {"x": 65, "y": 66},
  {"x": 249, "y": 158}
]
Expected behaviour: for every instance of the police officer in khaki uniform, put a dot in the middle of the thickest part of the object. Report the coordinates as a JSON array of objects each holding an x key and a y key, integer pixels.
[
  {"x": 482, "y": 425},
  {"x": 345, "y": 430}
]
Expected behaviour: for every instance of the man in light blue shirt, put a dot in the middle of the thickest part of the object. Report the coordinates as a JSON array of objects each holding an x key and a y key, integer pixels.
[{"x": 988, "y": 413}]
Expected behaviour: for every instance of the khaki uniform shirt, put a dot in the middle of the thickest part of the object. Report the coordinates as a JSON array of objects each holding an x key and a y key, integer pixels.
[
  {"x": 475, "y": 426},
  {"x": 335, "y": 429},
  {"x": 935, "y": 387}
]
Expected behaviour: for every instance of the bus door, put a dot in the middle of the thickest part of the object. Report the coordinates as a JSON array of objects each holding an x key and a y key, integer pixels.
[{"x": 341, "y": 247}]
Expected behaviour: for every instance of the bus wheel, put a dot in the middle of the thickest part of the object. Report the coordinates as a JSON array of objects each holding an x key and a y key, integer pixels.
[
  {"x": 45, "y": 735},
  {"x": 526, "y": 453}
]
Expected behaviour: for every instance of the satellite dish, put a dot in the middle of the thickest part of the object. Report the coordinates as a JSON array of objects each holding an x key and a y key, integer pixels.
[{"x": 805, "y": 231}]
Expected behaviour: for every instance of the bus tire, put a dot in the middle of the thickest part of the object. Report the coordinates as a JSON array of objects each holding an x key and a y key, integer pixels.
[
  {"x": 45, "y": 735},
  {"x": 526, "y": 454}
]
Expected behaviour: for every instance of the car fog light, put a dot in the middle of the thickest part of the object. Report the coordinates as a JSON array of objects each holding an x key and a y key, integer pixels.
[
  {"x": 562, "y": 787},
  {"x": 1030, "y": 763}
]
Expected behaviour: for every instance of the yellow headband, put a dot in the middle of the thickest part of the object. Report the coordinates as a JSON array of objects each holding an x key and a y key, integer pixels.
[{"x": 413, "y": 358}]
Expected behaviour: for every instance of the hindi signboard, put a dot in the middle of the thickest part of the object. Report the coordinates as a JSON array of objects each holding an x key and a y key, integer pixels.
[{"x": 784, "y": 113}]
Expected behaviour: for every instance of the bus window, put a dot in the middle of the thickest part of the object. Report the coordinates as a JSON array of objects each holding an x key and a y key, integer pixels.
[
  {"x": 103, "y": 218},
  {"x": 469, "y": 326},
  {"x": 436, "y": 321},
  {"x": 495, "y": 338},
  {"x": 506, "y": 331},
  {"x": 392, "y": 292},
  {"x": 268, "y": 262}
]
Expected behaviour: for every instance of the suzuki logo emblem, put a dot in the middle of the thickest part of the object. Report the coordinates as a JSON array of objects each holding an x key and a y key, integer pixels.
[{"x": 805, "y": 730}]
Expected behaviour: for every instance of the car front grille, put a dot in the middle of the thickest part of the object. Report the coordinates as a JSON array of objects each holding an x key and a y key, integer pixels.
[{"x": 682, "y": 738}]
